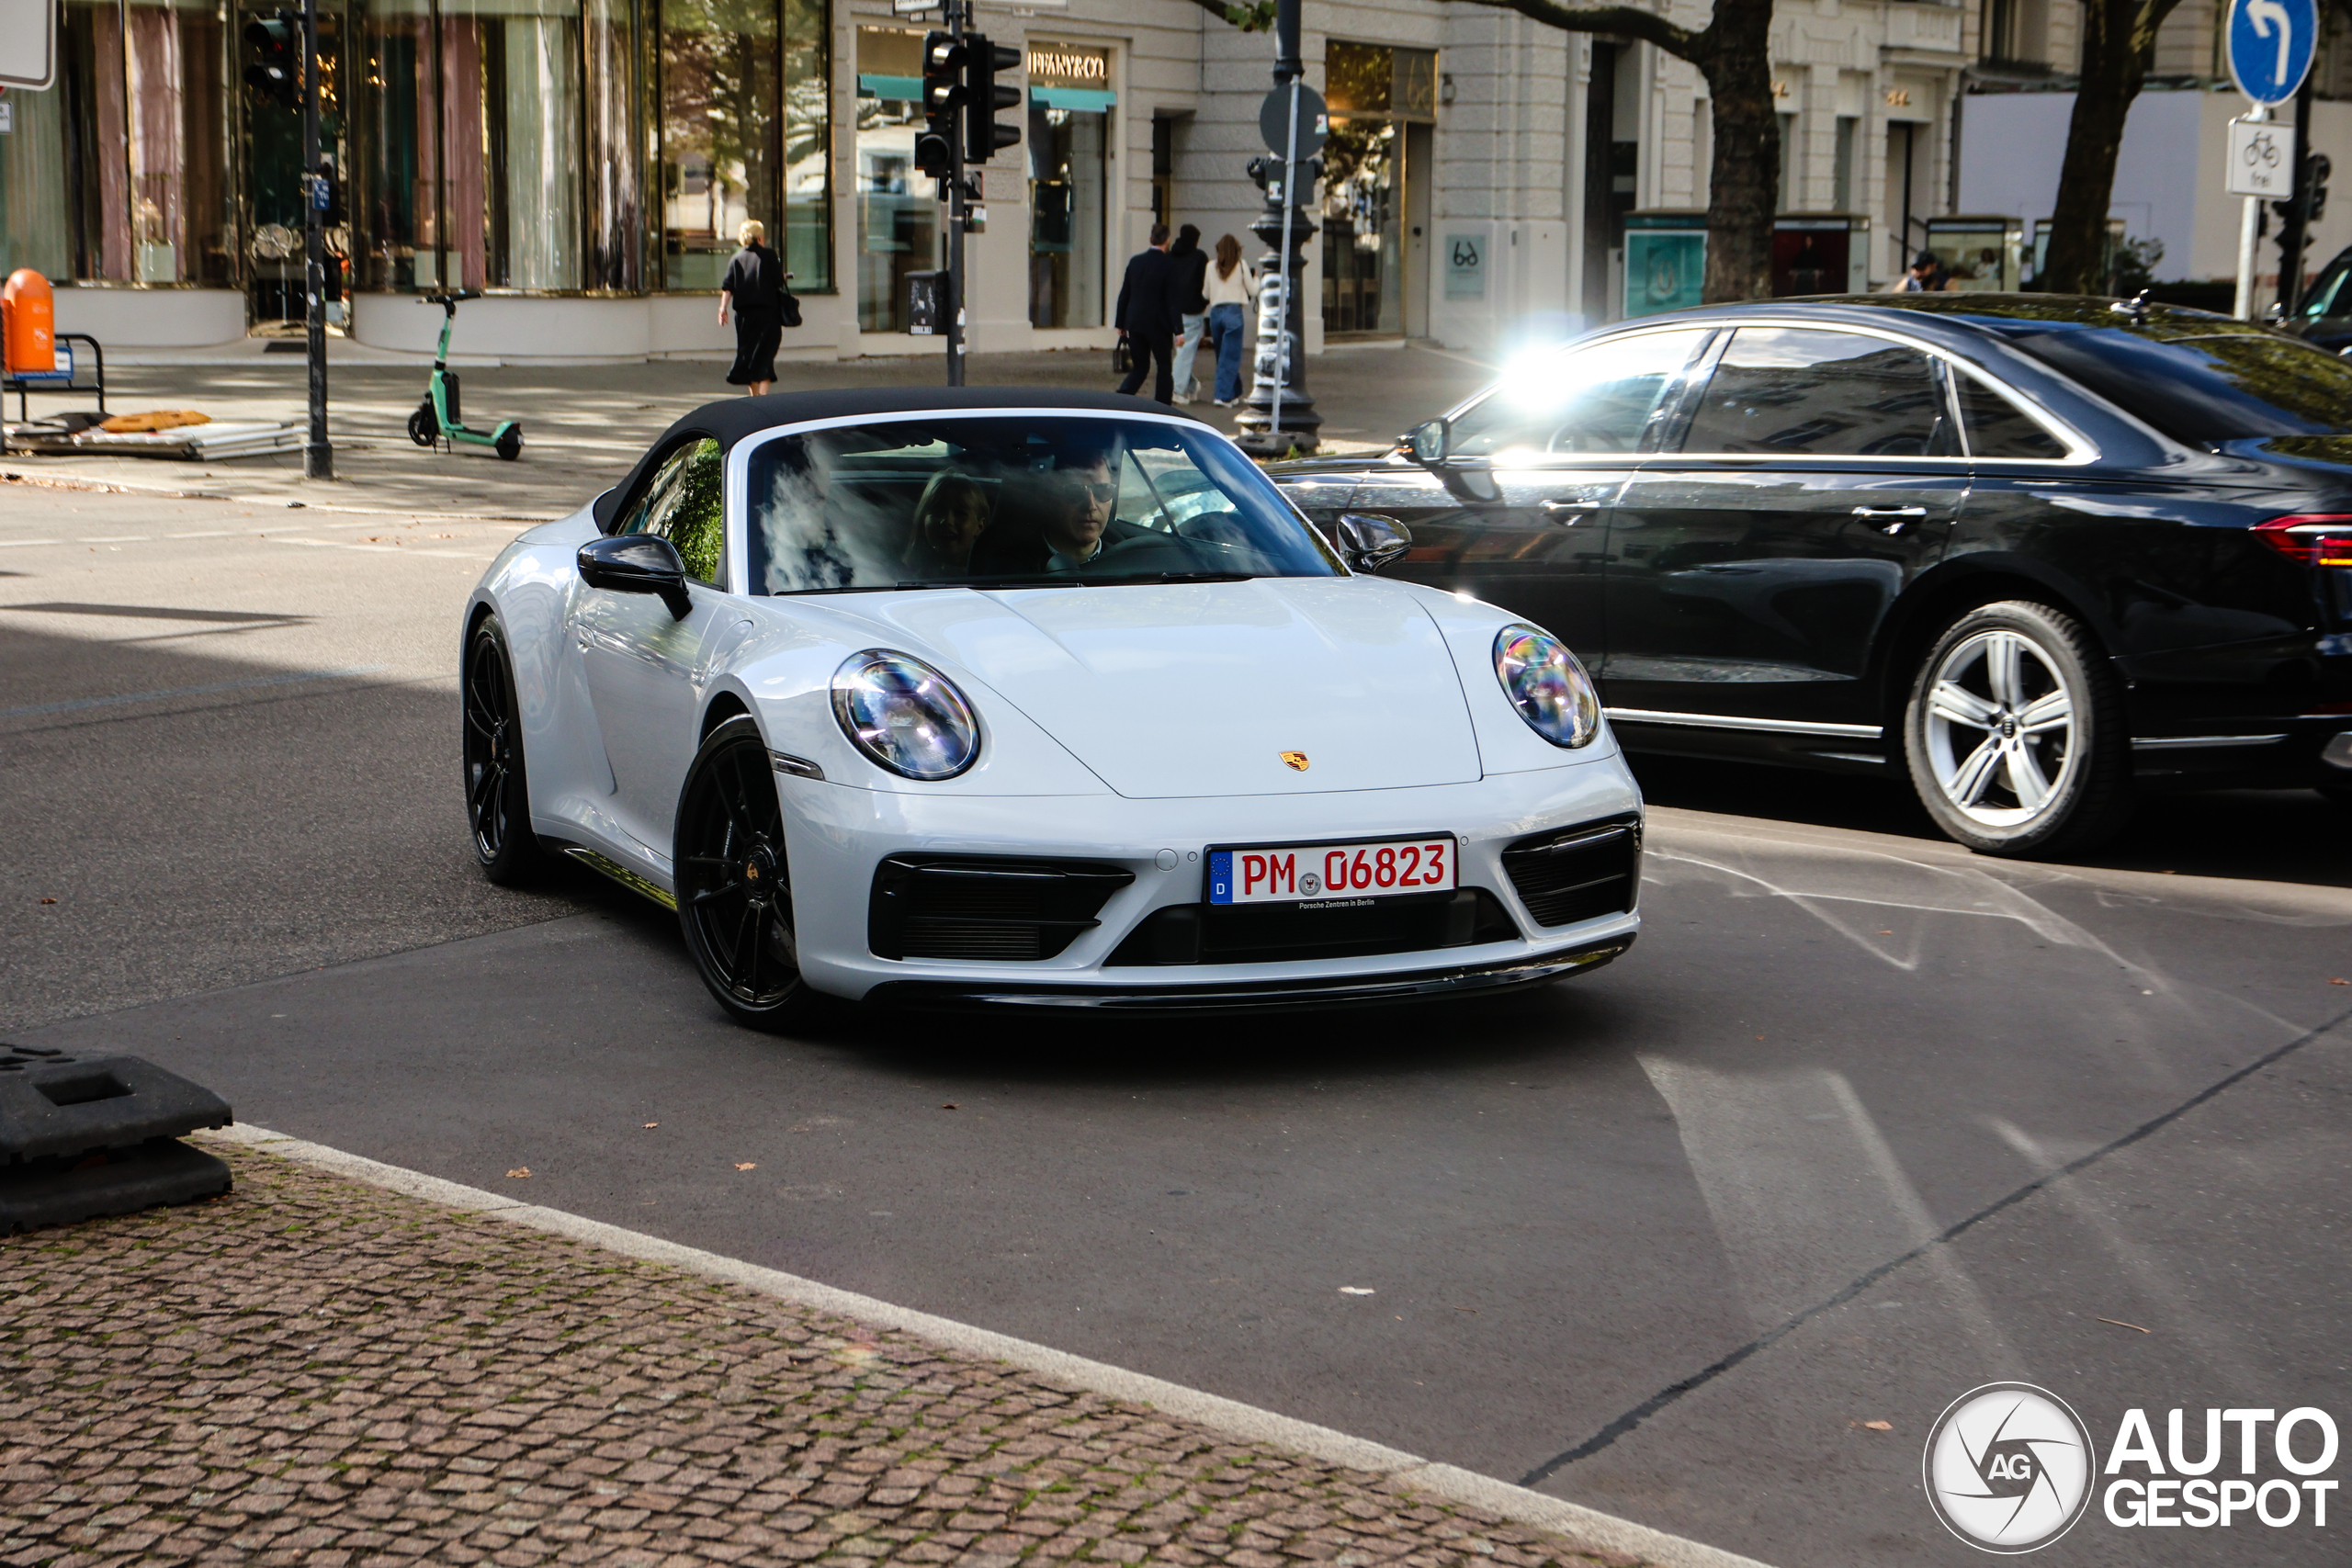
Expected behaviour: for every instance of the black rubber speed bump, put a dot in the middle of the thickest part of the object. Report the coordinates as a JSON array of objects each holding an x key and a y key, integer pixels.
[{"x": 84, "y": 1137}]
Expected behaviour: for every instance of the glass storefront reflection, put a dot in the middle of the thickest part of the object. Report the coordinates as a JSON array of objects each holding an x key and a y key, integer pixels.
[{"x": 1068, "y": 136}]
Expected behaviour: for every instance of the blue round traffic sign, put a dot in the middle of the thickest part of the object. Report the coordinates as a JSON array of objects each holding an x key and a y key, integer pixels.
[{"x": 2270, "y": 46}]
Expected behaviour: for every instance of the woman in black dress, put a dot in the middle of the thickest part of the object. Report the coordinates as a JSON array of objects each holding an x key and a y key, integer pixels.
[{"x": 754, "y": 283}]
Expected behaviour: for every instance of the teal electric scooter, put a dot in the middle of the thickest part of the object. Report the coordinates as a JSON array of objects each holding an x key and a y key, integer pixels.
[{"x": 437, "y": 417}]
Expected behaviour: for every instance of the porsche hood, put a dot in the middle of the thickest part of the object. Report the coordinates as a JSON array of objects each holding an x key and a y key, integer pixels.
[{"x": 1271, "y": 686}]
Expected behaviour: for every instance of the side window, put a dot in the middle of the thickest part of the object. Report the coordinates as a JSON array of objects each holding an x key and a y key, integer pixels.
[
  {"x": 1590, "y": 401},
  {"x": 1998, "y": 428},
  {"x": 684, "y": 505},
  {"x": 1790, "y": 392}
]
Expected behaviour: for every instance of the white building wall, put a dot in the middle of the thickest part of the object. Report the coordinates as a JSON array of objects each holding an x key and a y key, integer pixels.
[{"x": 2168, "y": 173}]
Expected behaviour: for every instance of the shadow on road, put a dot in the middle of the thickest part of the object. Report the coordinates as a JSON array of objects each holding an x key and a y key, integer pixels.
[{"x": 2280, "y": 835}]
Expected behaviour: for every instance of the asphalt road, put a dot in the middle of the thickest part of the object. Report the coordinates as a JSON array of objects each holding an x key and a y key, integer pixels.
[{"x": 1662, "y": 1240}]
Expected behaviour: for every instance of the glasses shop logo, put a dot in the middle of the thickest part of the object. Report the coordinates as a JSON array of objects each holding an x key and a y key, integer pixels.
[{"x": 2010, "y": 1468}]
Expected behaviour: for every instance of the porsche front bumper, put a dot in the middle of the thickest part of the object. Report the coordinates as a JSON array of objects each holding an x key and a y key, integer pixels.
[{"x": 837, "y": 835}]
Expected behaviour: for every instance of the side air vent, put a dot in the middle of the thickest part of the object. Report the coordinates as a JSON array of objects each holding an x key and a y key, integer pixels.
[
  {"x": 983, "y": 908},
  {"x": 1578, "y": 874}
]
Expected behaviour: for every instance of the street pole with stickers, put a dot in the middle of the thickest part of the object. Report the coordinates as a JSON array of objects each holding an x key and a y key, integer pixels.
[
  {"x": 1277, "y": 418},
  {"x": 318, "y": 192},
  {"x": 2270, "y": 44}
]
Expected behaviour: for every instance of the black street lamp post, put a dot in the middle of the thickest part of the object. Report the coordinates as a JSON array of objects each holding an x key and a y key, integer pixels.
[{"x": 1277, "y": 418}]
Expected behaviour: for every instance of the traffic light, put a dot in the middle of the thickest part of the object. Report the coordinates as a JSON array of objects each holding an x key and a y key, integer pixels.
[
  {"x": 2317, "y": 176},
  {"x": 277, "y": 71},
  {"x": 984, "y": 96},
  {"x": 943, "y": 103}
]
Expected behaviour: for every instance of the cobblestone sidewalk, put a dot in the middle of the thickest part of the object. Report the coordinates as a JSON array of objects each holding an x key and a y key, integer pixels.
[{"x": 311, "y": 1371}]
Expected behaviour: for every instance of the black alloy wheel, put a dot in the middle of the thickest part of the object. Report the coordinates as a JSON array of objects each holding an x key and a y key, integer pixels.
[
  {"x": 498, "y": 794},
  {"x": 2016, "y": 736},
  {"x": 735, "y": 883}
]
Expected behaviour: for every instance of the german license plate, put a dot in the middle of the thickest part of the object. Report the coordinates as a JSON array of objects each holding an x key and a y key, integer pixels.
[{"x": 1369, "y": 868}]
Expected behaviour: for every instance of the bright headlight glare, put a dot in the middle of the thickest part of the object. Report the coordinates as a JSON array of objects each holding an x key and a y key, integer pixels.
[
  {"x": 1547, "y": 685},
  {"x": 905, "y": 715}
]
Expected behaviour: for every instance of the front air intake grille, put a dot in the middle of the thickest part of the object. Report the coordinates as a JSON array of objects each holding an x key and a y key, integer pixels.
[
  {"x": 985, "y": 909},
  {"x": 1578, "y": 874},
  {"x": 1273, "y": 933}
]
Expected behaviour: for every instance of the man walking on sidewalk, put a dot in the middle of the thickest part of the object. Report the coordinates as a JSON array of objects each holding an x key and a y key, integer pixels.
[{"x": 1148, "y": 316}]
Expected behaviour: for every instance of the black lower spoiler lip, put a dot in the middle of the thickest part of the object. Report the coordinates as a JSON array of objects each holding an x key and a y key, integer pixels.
[{"x": 1354, "y": 990}]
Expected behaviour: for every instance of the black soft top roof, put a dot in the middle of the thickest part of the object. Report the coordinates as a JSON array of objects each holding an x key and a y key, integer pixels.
[{"x": 730, "y": 420}]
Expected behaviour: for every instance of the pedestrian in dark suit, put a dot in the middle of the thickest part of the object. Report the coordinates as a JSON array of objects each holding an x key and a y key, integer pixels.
[{"x": 1149, "y": 316}]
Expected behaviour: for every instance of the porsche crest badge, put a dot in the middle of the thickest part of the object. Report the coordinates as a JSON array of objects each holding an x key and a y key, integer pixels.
[{"x": 1296, "y": 759}]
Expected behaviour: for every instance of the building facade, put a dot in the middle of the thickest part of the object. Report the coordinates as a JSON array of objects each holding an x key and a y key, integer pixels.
[
  {"x": 2169, "y": 200},
  {"x": 585, "y": 163}
]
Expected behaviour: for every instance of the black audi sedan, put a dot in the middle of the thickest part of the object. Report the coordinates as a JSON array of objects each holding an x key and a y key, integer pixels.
[{"x": 2039, "y": 552}]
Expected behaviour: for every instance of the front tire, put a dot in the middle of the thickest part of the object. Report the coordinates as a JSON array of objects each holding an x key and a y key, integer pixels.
[
  {"x": 735, "y": 883},
  {"x": 498, "y": 792},
  {"x": 424, "y": 425},
  {"x": 2016, "y": 736}
]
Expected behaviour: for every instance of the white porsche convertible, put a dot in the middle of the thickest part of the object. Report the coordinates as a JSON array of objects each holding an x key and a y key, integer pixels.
[{"x": 1016, "y": 696}]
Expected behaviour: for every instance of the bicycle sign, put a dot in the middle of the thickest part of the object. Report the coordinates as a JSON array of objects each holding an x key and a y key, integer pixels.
[{"x": 2262, "y": 158}]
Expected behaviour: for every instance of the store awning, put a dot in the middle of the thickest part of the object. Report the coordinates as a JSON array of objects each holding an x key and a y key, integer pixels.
[
  {"x": 1090, "y": 98},
  {"x": 907, "y": 88}
]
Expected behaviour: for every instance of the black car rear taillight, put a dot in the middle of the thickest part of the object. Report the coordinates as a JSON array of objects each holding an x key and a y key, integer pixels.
[{"x": 2314, "y": 539}]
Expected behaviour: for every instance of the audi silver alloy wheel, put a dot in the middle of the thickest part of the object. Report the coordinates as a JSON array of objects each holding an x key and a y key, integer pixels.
[
  {"x": 2015, "y": 733},
  {"x": 2000, "y": 730}
]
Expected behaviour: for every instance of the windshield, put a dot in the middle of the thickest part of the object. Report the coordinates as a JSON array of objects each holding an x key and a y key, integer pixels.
[
  {"x": 1000, "y": 499},
  {"x": 2204, "y": 382}
]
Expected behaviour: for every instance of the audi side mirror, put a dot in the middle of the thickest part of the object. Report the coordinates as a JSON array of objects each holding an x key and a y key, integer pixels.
[
  {"x": 637, "y": 563},
  {"x": 1368, "y": 543},
  {"x": 1427, "y": 442}
]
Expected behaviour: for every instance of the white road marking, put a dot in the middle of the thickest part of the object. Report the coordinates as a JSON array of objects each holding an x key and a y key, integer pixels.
[{"x": 6, "y": 543}]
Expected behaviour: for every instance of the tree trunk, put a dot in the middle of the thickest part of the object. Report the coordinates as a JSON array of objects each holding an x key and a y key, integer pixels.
[
  {"x": 1744, "y": 183},
  {"x": 2117, "y": 35}
]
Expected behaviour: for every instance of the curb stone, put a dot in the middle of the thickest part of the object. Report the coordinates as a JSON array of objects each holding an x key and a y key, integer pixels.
[{"x": 1398, "y": 1470}]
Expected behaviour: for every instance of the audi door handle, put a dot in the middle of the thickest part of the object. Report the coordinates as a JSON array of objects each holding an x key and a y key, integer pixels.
[
  {"x": 1555, "y": 508},
  {"x": 1902, "y": 517}
]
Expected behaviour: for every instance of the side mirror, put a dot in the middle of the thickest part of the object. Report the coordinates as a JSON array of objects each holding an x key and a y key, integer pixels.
[
  {"x": 1368, "y": 543},
  {"x": 1427, "y": 442},
  {"x": 637, "y": 563}
]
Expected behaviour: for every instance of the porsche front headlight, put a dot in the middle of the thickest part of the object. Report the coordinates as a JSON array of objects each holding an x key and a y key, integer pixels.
[
  {"x": 1547, "y": 685},
  {"x": 905, "y": 715}
]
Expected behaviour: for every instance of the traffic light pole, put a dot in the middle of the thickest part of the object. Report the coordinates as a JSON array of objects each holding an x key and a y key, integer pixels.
[
  {"x": 2295, "y": 221},
  {"x": 958, "y": 11},
  {"x": 318, "y": 455}
]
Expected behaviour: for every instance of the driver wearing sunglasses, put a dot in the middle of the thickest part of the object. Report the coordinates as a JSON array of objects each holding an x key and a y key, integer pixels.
[{"x": 1084, "y": 490}]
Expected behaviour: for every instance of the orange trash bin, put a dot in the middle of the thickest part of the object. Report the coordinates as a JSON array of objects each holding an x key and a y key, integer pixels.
[{"x": 29, "y": 340}]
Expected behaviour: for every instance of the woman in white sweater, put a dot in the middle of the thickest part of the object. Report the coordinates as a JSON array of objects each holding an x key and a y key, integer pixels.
[{"x": 1231, "y": 285}]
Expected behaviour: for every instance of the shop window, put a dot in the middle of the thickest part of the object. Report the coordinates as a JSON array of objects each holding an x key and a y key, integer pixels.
[
  {"x": 36, "y": 218},
  {"x": 807, "y": 245},
  {"x": 1068, "y": 142},
  {"x": 898, "y": 206},
  {"x": 97, "y": 147},
  {"x": 397, "y": 229},
  {"x": 719, "y": 128},
  {"x": 1369, "y": 182},
  {"x": 177, "y": 119},
  {"x": 511, "y": 86},
  {"x": 615, "y": 199}
]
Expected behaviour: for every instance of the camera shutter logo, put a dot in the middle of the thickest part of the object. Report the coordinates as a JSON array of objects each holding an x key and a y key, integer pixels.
[{"x": 2009, "y": 1467}]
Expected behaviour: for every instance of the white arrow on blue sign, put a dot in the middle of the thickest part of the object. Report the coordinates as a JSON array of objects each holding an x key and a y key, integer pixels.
[{"x": 2270, "y": 46}]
